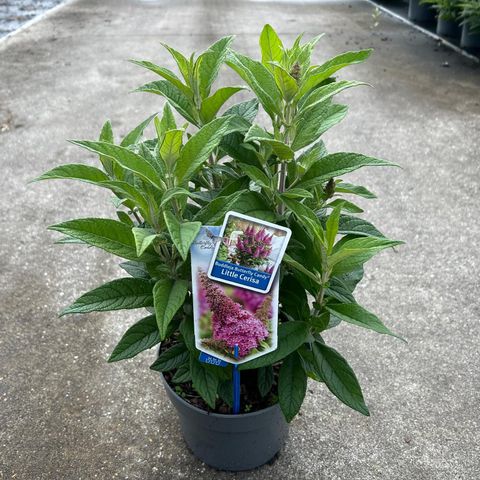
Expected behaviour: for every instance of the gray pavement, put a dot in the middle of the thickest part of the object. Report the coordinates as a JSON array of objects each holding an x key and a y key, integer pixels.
[{"x": 66, "y": 414}]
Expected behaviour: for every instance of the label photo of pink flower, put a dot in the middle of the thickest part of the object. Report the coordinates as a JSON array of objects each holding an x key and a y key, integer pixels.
[
  {"x": 249, "y": 252},
  {"x": 225, "y": 315}
]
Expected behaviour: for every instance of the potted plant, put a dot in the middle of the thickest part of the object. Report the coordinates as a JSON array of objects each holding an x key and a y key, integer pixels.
[
  {"x": 190, "y": 174},
  {"x": 419, "y": 12},
  {"x": 471, "y": 25},
  {"x": 448, "y": 17}
]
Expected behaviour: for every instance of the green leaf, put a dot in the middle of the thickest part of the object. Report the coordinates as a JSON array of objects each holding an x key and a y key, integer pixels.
[
  {"x": 317, "y": 75},
  {"x": 182, "y": 375},
  {"x": 204, "y": 381},
  {"x": 355, "y": 252},
  {"x": 181, "y": 61},
  {"x": 247, "y": 110},
  {"x": 271, "y": 46},
  {"x": 130, "y": 192},
  {"x": 285, "y": 82},
  {"x": 357, "y": 315},
  {"x": 176, "y": 97},
  {"x": 200, "y": 145},
  {"x": 332, "y": 228},
  {"x": 211, "y": 105},
  {"x": 135, "y": 269},
  {"x": 255, "y": 174},
  {"x": 265, "y": 380},
  {"x": 320, "y": 322},
  {"x": 292, "y": 386},
  {"x": 144, "y": 237},
  {"x": 209, "y": 62},
  {"x": 298, "y": 266},
  {"x": 290, "y": 336},
  {"x": 166, "y": 74},
  {"x": 168, "y": 297},
  {"x": 110, "y": 235},
  {"x": 174, "y": 193},
  {"x": 344, "y": 205},
  {"x": 256, "y": 133},
  {"x": 183, "y": 234},
  {"x": 312, "y": 155},
  {"x": 214, "y": 211},
  {"x": 297, "y": 193},
  {"x": 124, "y": 157},
  {"x": 136, "y": 134},
  {"x": 187, "y": 330},
  {"x": 337, "y": 164},
  {"x": 171, "y": 146},
  {"x": 357, "y": 226},
  {"x": 171, "y": 358},
  {"x": 106, "y": 135},
  {"x": 344, "y": 187},
  {"x": 294, "y": 299},
  {"x": 141, "y": 336},
  {"x": 339, "y": 377},
  {"x": 314, "y": 122},
  {"x": 75, "y": 171},
  {"x": 120, "y": 294},
  {"x": 326, "y": 92},
  {"x": 259, "y": 79}
]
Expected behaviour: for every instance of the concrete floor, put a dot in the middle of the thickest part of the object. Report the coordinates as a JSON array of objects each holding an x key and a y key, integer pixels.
[{"x": 66, "y": 414}]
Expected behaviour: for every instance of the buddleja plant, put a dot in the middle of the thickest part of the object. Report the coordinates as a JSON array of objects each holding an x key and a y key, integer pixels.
[{"x": 166, "y": 187}]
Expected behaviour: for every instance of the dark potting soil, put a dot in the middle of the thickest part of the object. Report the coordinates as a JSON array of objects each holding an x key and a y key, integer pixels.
[{"x": 250, "y": 397}]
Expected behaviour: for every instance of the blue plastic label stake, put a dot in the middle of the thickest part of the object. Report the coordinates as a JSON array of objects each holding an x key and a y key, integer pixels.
[{"x": 236, "y": 384}]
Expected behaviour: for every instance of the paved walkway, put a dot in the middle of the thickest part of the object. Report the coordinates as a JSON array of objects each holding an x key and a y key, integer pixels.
[{"x": 66, "y": 414}]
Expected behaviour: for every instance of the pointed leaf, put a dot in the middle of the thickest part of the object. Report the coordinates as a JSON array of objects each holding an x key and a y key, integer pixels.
[
  {"x": 141, "y": 336},
  {"x": 265, "y": 380},
  {"x": 168, "y": 297},
  {"x": 171, "y": 146},
  {"x": 292, "y": 386},
  {"x": 136, "y": 134},
  {"x": 318, "y": 74},
  {"x": 313, "y": 123},
  {"x": 166, "y": 74},
  {"x": 271, "y": 46},
  {"x": 183, "y": 234},
  {"x": 339, "y": 377},
  {"x": 75, "y": 171},
  {"x": 126, "y": 158},
  {"x": 171, "y": 358},
  {"x": 204, "y": 381},
  {"x": 208, "y": 64},
  {"x": 200, "y": 145},
  {"x": 357, "y": 315},
  {"x": 181, "y": 61},
  {"x": 144, "y": 237},
  {"x": 337, "y": 164},
  {"x": 120, "y": 294},
  {"x": 344, "y": 187},
  {"x": 247, "y": 110},
  {"x": 110, "y": 235},
  {"x": 332, "y": 228},
  {"x": 176, "y": 97},
  {"x": 212, "y": 104},
  {"x": 259, "y": 79}
]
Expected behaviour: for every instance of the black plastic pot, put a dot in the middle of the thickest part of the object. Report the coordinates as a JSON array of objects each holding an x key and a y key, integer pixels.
[
  {"x": 231, "y": 442},
  {"x": 448, "y": 28},
  {"x": 470, "y": 40},
  {"x": 420, "y": 13}
]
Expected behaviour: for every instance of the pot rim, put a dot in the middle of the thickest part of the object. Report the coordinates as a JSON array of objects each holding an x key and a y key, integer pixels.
[{"x": 229, "y": 416}]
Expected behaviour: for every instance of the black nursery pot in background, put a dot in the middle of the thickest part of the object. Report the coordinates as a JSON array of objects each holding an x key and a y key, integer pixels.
[
  {"x": 448, "y": 28},
  {"x": 470, "y": 40},
  {"x": 231, "y": 442},
  {"x": 420, "y": 13}
]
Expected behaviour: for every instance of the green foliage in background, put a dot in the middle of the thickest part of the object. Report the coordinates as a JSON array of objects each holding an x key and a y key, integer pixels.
[{"x": 213, "y": 160}]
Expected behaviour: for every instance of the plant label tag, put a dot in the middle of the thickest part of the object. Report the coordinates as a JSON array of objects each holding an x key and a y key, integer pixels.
[
  {"x": 227, "y": 315},
  {"x": 211, "y": 360},
  {"x": 249, "y": 253}
]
